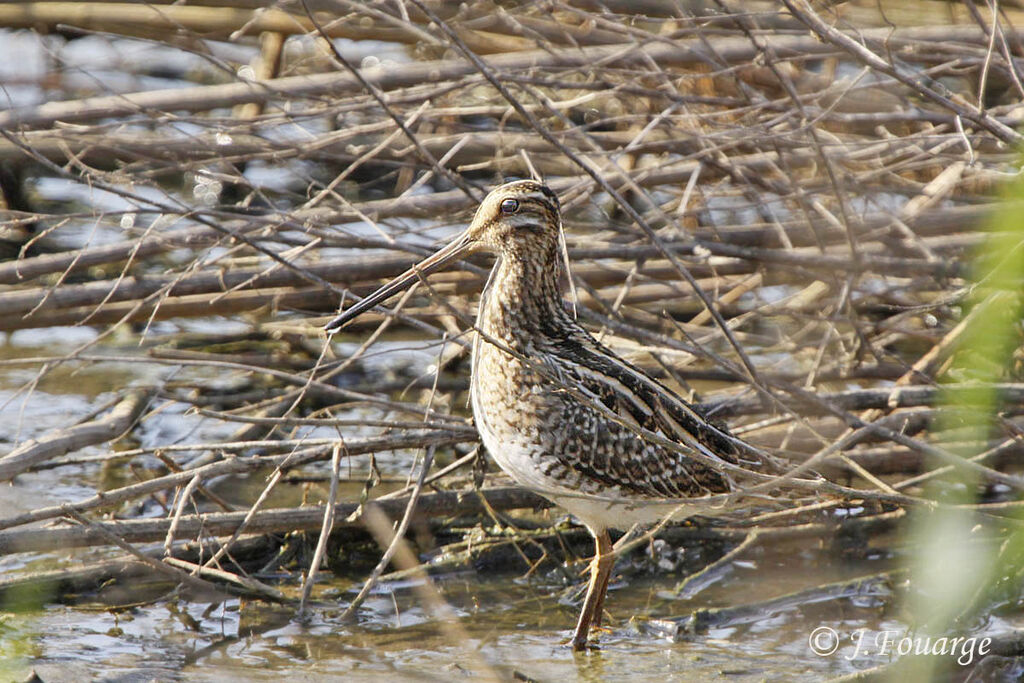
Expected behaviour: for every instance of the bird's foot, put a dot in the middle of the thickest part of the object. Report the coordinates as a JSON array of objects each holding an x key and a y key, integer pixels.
[
  {"x": 587, "y": 643},
  {"x": 582, "y": 646}
]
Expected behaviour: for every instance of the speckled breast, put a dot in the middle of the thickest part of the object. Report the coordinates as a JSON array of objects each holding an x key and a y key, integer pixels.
[{"x": 514, "y": 415}]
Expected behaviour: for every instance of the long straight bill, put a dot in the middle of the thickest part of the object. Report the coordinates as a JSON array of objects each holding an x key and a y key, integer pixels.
[{"x": 439, "y": 260}]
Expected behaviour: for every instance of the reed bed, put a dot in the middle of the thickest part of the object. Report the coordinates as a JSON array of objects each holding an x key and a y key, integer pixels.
[{"x": 776, "y": 208}]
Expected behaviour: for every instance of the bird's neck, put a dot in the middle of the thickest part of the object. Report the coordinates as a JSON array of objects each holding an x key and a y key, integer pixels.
[{"x": 523, "y": 302}]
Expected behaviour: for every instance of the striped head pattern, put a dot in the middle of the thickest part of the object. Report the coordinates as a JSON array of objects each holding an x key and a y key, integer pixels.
[{"x": 520, "y": 217}]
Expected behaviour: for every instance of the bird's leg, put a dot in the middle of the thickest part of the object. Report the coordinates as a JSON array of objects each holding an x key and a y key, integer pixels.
[
  {"x": 602, "y": 590},
  {"x": 600, "y": 568}
]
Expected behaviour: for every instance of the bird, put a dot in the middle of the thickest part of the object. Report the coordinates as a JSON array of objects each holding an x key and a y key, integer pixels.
[{"x": 558, "y": 411}]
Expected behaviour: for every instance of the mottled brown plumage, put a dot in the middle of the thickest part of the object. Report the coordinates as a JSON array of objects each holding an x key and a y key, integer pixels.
[{"x": 559, "y": 412}]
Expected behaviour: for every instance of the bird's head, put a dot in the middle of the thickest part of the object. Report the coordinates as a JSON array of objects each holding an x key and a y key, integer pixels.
[{"x": 520, "y": 219}]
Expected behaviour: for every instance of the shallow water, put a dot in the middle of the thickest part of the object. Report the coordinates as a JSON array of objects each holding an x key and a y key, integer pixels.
[{"x": 503, "y": 625}]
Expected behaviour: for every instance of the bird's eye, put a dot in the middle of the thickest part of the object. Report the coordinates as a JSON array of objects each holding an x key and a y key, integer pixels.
[{"x": 510, "y": 206}]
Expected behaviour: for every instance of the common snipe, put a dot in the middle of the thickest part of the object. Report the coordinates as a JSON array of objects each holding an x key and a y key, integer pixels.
[{"x": 558, "y": 411}]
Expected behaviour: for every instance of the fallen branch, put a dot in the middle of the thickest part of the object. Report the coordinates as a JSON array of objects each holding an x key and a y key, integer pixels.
[
  {"x": 441, "y": 504},
  {"x": 60, "y": 441}
]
